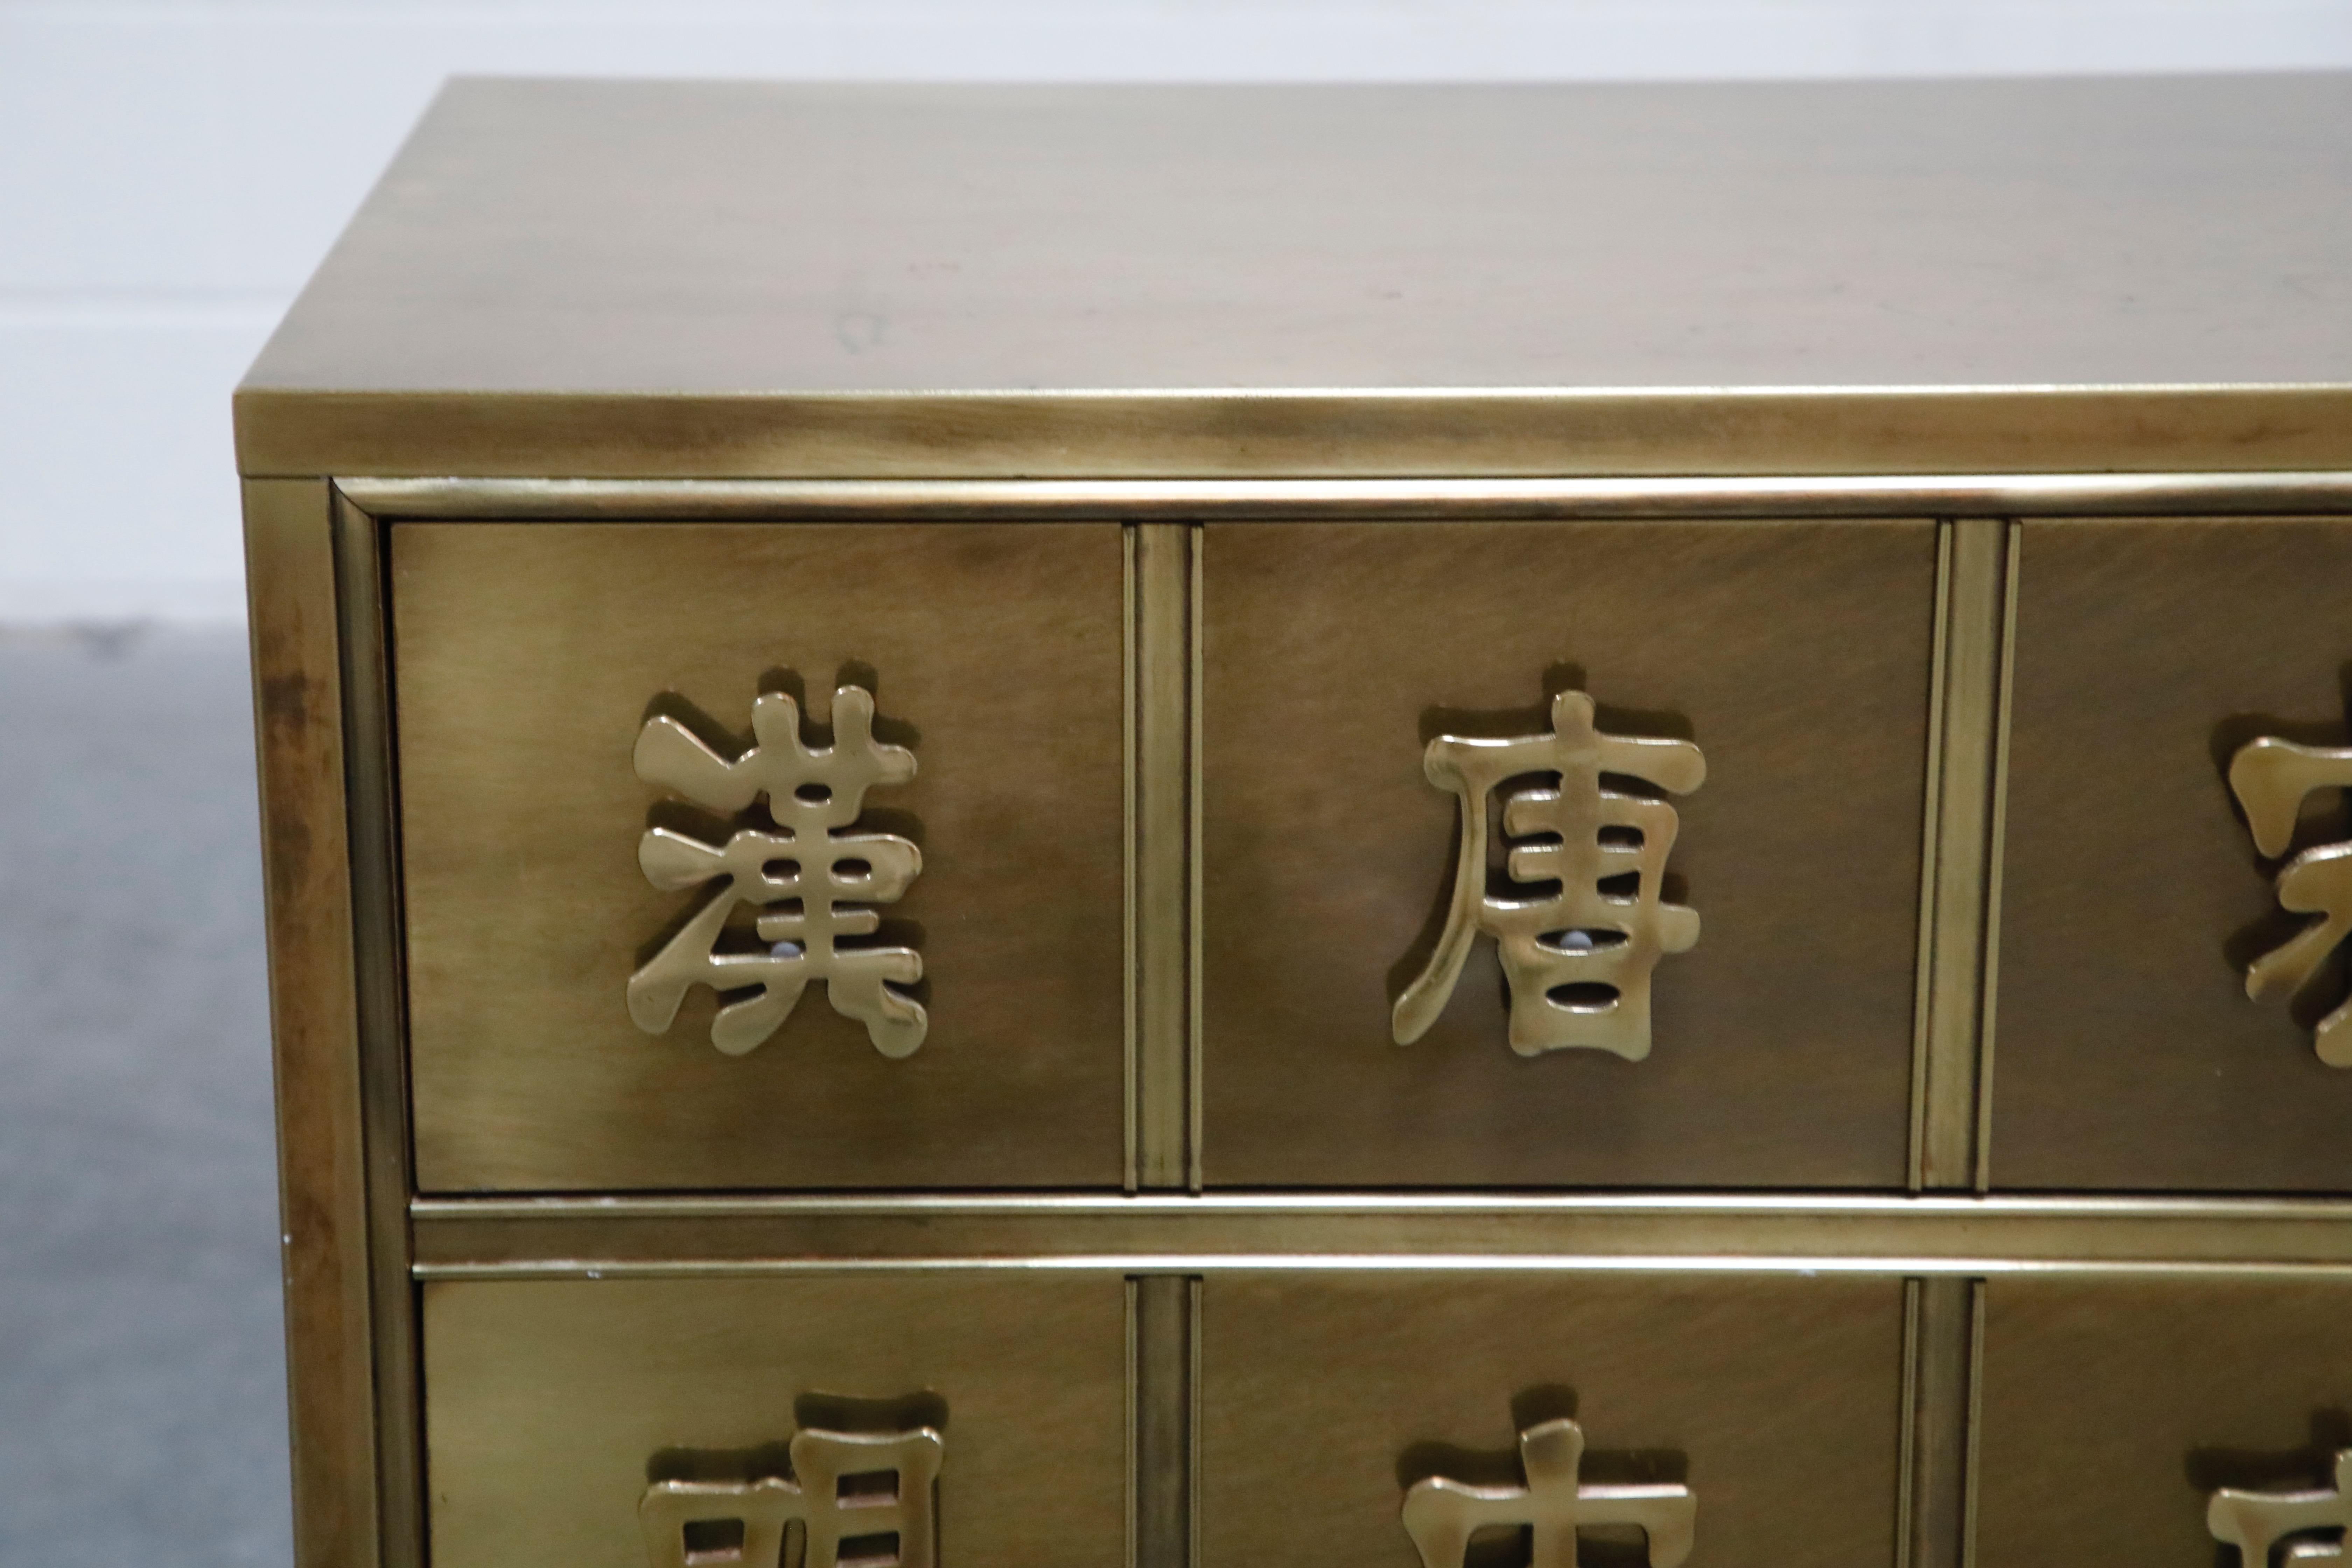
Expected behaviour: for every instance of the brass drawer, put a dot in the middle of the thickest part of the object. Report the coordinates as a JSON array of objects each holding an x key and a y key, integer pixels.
[
  {"x": 2111, "y": 1412},
  {"x": 1795, "y": 656},
  {"x": 530, "y": 658},
  {"x": 592, "y": 1424},
  {"x": 2127, "y": 1053},
  {"x": 1331, "y": 1406}
]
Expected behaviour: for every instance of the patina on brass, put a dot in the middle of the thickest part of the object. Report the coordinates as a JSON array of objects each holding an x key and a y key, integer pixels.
[
  {"x": 827, "y": 879},
  {"x": 1442, "y": 1514},
  {"x": 746, "y": 1521},
  {"x": 2270, "y": 777},
  {"x": 2257, "y": 1524},
  {"x": 1579, "y": 961}
]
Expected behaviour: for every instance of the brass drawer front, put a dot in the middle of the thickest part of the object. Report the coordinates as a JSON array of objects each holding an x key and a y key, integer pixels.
[
  {"x": 1797, "y": 657},
  {"x": 2111, "y": 1412},
  {"x": 2127, "y": 1053},
  {"x": 553, "y": 1408},
  {"x": 528, "y": 659},
  {"x": 1326, "y": 1400}
]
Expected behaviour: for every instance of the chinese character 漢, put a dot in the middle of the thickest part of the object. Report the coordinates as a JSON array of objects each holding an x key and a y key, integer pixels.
[
  {"x": 2271, "y": 778},
  {"x": 815, "y": 881},
  {"x": 1442, "y": 1515},
  {"x": 883, "y": 1511},
  {"x": 1577, "y": 960}
]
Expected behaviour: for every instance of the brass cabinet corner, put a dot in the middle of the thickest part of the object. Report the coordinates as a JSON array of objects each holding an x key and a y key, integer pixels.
[{"x": 1433, "y": 826}]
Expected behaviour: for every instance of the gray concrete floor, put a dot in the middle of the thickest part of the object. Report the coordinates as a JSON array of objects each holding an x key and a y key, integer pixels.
[{"x": 142, "y": 1388}]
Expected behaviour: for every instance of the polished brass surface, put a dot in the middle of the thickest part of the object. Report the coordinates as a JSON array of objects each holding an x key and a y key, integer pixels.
[
  {"x": 1326, "y": 1397},
  {"x": 2128, "y": 1057},
  {"x": 1167, "y": 486},
  {"x": 2112, "y": 1411},
  {"x": 2272, "y": 779},
  {"x": 1930, "y": 1235},
  {"x": 1217, "y": 263},
  {"x": 679, "y": 1515},
  {"x": 831, "y": 880},
  {"x": 330, "y": 1286},
  {"x": 1331, "y": 654},
  {"x": 1593, "y": 938},
  {"x": 1956, "y": 906},
  {"x": 1869, "y": 497},
  {"x": 2257, "y": 1522},
  {"x": 554, "y": 1405},
  {"x": 1165, "y": 1154},
  {"x": 1001, "y": 646},
  {"x": 1442, "y": 1514}
]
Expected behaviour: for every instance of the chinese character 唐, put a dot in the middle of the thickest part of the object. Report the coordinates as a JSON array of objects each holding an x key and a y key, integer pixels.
[{"x": 1577, "y": 960}]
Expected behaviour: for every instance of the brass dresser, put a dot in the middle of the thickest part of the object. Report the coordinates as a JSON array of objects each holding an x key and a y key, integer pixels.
[{"x": 1019, "y": 827}]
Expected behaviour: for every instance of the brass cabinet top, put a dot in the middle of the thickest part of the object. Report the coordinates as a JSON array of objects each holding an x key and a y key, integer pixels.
[{"x": 945, "y": 281}]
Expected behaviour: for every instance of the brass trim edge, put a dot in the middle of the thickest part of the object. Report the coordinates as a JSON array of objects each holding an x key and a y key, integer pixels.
[
  {"x": 1967, "y": 743},
  {"x": 1162, "y": 855},
  {"x": 1804, "y": 1265},
  {"x": 1996, "y": 856},
  {"x": 1868, "y": 496},
  {"x": 1295, "y": 431},
  {"x": 1930, "y": 824},
  {"x": 1906, "y": 1419},
  {"x": 1181, "y": 1234},
  {"x": 364, "y": 622},
  {"x": 1131, "y": 950},
  {"x": 1196, "y": 659}
]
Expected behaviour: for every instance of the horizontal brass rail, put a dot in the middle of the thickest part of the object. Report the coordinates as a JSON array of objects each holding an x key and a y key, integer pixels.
[
  {"x": 1395, "y": 499},
  {"x": 1157, "y": 1234}
]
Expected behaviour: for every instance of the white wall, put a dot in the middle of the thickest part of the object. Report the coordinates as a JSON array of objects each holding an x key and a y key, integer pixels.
[{"x": 170, "y": 171}]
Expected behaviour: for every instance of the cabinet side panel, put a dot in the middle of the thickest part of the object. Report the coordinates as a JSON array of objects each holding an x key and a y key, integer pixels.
[{"x": 290, "y": 578}]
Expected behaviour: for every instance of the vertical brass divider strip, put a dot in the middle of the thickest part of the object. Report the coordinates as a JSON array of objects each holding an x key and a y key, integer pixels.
[
  {"x": 1976, "y": 1421},
  {"x": 1134, "y": 1425},
  {"x": 1907, "y": 1425},
  {"x": 1130, "y": 947},
  {"x": 1163, "y": 730},
  {"x": 1965, "y": 751},
  {"x": 1930, "y": 819},
  {"x": 383, "y": 1087},
  {"x": 1939, "y": 1364},
  {"x": 1987, "y": 1030},
  {"x": 1164, "y": 1353},
  {"x": 1196, "y": 657}
]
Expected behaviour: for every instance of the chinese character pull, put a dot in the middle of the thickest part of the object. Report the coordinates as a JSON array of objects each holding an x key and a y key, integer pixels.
[
  {"x": 816, "y": 879},
  {"x": 1578, "y": 960},
  {"x": 1442, "y": 1514},
  {"x": 885, "y": 1514},
  {"x": 2270, "y": 777},
  {"x": 2308, "y": 1523}
]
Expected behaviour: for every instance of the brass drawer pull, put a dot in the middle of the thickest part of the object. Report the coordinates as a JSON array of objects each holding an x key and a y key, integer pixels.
[
  {"x": 2256, "y": 1523},
  {"x": 1595, "y": 940},
  {"x": 827, "y": 879},
  {"x": 1442, "y": 1514},
  {"x": 743, "y": 1524},
  {"x": 2271, "y": 778}
]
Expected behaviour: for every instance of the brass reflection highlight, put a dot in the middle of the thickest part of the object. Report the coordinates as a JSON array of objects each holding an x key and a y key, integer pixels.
[
  {"x": 2271, "y": 778},
  {"x": 872, "y": 1491},
  {"x": 1579, "y": 961},
  {"x": 2256, "y": 1523},
  {"x": 1442, "y": 1514},
  {"x": 820, "y": 881}
]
